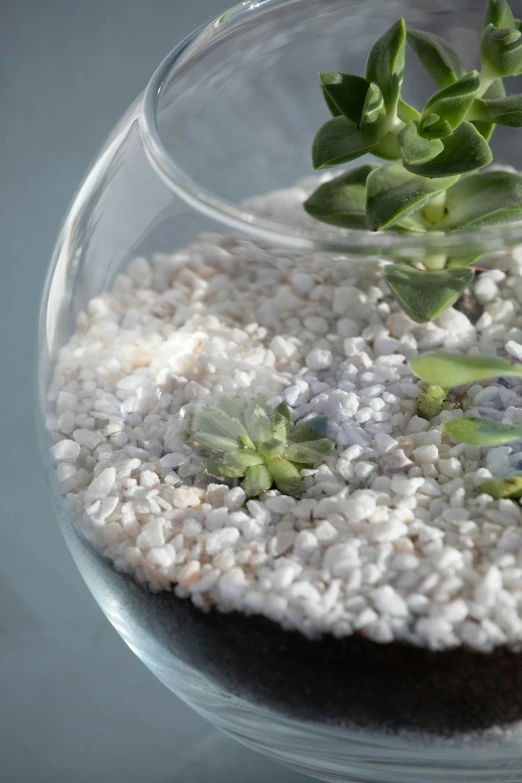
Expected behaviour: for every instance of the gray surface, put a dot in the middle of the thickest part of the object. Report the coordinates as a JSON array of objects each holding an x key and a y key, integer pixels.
[{"x": 75, "y": 704}]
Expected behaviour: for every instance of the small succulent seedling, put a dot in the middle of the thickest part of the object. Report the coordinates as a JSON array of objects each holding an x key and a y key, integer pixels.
[
  {"x": 241, "y": 440},
  {"x": 432, "y": 401},
  {"x": 432, "y": 181},
  {"x": 457, "y": 370}
]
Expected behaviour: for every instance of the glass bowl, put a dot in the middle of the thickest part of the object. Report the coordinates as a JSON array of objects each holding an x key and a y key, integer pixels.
[{"x": 172, "y": 212}]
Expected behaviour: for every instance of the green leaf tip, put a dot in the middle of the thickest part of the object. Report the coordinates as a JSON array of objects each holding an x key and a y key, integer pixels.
[
  {"x": 464, "y": 150},
  {"x": 339, "y": 141},
  {"x": 342, "y": 200},
  {"x": 505, "y": 110},
  {"x": 503, "y": 488},
  {"x": 453, "y": 102},
  {"x": 244, "y": 440},
  {"x": 425, "y": 295},
  {"x": 501, "y": 52},
  {"x": 415, "y": 148},
  {"x": 482, "y": 432},
  {"x": 385, "y": 65},
  {"x": 499, "y": 14},
  {"x": 485, "y": 198},
  {"x": 393, "y": 193},
  {"x": 455, "y": 369},
  {"x": 438, "y": 57},
  {"x": 344, "y": 94}
]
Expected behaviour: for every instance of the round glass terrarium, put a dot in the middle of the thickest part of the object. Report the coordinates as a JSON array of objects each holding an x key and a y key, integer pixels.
[{"x": 187, "y": 271}]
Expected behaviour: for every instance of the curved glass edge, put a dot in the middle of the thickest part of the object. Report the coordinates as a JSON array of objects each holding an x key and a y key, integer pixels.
[{"x": 391, "y": 244}]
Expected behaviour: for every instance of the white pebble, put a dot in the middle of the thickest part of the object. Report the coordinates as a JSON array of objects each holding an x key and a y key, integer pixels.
[
  {"x": 425, "y": 455},
  {"x": 388, "y": 602},
  {"x": 234, "y": 498},
  {"x": 66, "y": 450},
  {"x": 280, "y": 504},
  {"x": 220, "y": 539},
  {"x": 385, "y": 443},
  {"x": 405, "y": 486},
  {"x": 319, "y": 359},
  {"x": 152, "y": 535},
  {"x": 101, "y": 485},
  {"x": 173, "y": 460}
]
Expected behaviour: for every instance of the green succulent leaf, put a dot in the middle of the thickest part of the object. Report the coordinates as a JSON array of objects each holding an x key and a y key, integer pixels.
[
  {"x": 499, "y": 14},
  {"x": 345, "y": 94},
  {"x": 242, "y": 458},
  {"x": 339, "y": 141},
  {"x": 495, "y": 90},
  {"x": 257, "y": 423},
  {"x": 271, "y": 448},
  {"x": 233, "y": 406},
  {"x": 465, "y": 150},
  {"x": 281, "y": 422},
  {"x": 501, "y": 52},
  {"x": 342, "y": 200},
  {"x": 434, "y": 127},
  {"x": 437, "y": 56},
  {"x": 425, "y": 295},
  {"x": 407, "y": 113},
  {"x": 457, "y": 261},
  {"x": 257, "y": 480},
  {"x": 211, "y": 442},
  {"x": 503, "y": 487},
  {"x": 283, "y": 409},
  {"x": 482, "y": 432},
  {"x": 416, "y": 149},
  {"x": 224, "y": 472},
  {"x": 453, "y": 102},
  {"x": 455, "y": 369},
  {"x": 309, "y": 452},
  {"x": 332, "y": 106},
  {"x": 385, "y": 65},
  {"x": 309, "y": 429},
  {"x": 286, "y": 476},
  {"x": 487, "y": 198},
  {"x": 500, "y": 111},
  {"x": 394, "y": 193},
  {"x": 374, "y": 109},
  {"x": 216, "y": 421}
]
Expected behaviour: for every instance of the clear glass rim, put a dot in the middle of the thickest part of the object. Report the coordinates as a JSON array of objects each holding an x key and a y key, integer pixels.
[{"x": 324, "y": 238}]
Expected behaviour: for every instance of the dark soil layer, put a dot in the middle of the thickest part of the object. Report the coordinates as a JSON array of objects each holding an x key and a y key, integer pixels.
[{"x": 349, "y": 682}]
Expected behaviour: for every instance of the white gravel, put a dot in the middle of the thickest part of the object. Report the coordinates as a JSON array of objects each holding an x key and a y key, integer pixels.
[{"x": 391, "y": 538}]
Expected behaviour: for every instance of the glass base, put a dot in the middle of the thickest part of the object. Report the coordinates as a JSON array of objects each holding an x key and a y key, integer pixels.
[
  {"x": 334, "y": 754},
  {"x": 322, "y": 751}
]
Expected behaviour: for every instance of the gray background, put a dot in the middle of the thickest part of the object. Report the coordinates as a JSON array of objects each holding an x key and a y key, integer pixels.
[{"x": 75, "y": 704}]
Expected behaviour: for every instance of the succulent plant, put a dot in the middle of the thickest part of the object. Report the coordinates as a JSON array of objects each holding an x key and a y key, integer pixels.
[
  {"x": 457, "y": 370},
  {"x": 240, "y": 439},
  {"x": 431, "y": 182},
  {"x": 432, "y": 401}
]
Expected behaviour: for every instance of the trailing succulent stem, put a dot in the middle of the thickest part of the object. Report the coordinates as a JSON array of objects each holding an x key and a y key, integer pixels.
[
  {"x": 241, "y": 440},
  {"x": 432, "y": 181},
  {"x": 457, "y": 370}
]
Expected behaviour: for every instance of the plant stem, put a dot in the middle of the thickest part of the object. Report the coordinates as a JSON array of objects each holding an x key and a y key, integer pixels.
[
  {"x": 485, "y": 84},
  {"x": 393, "y": 125},
  {"x": 435, "y": 262},
  {"x": 435, "y": 210}
]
